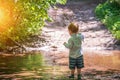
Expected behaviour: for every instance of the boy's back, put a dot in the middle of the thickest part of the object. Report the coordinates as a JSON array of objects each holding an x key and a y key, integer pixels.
[{"x": 74, "y": 44}]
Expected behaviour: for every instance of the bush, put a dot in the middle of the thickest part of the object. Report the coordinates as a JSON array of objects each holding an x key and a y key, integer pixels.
[
  {"x": 116, "y": 29},
  {"x": 22, "y": 19},
  {"x": 118, "y": 1},
  {"x": 109, "y": 14}
]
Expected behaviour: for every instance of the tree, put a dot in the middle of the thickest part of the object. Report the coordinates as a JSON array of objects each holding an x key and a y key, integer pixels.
[
  {"x": 22, "y": 18},
  {"x": 108, "y": 13},
  {"x": 118, "y": 1}
]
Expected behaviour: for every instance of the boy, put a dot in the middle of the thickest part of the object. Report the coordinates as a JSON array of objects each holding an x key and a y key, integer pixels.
[{"x": 75, "y": 54}]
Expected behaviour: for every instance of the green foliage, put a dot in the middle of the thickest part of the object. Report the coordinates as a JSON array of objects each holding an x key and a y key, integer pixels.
[
  {"x": 118, "y": 1},
  {"x": 116, "y": 29},
  {"x": 26, "y": 17},
  {"x": 109, "y": 14}
]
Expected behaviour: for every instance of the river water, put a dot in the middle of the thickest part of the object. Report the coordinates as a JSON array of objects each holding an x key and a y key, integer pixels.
[
  {"x": 33, "y": 67},
  {"x": 22, "y": 67}
]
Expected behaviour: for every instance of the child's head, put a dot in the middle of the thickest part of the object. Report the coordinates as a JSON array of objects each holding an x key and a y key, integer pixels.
[{"x": 73, "y": 28}]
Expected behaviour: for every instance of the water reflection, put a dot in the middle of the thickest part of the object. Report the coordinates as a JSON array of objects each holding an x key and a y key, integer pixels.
[
  {"x": 9, "y": 64},
  {"x": 32, "y": 66},
  {"x": 26, "y": 67}
]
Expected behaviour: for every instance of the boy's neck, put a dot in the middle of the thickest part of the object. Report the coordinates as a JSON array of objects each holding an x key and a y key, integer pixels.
[{"x": 73, "y": 34}]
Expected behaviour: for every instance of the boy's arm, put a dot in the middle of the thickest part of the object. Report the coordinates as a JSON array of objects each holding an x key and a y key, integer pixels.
[
  {"x": 82, "y": 37},
  {"x": 69, "y": 44}
]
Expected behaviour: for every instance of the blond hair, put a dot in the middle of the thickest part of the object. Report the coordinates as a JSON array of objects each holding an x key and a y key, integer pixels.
[{"x": 74, "y": 28}]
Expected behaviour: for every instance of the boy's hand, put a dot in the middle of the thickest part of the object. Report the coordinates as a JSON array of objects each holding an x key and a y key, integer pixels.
[{"x": 64, "y": 43}]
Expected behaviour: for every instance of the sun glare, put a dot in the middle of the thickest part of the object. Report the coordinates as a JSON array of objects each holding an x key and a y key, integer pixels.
[
  {"x": 7, "y": 14},
  {"x": 1, "y": 15},
  {"x": 4, "y": 17}
]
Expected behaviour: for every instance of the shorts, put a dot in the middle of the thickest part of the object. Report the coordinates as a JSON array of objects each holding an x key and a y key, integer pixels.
[{"x": 76, "y": 62}]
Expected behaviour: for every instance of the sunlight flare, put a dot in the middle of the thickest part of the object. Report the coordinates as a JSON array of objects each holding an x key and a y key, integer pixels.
[{"x": 2, "y": 16}]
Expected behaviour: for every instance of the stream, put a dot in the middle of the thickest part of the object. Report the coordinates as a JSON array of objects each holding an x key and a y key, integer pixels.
[{"x": 33, "y": 66}]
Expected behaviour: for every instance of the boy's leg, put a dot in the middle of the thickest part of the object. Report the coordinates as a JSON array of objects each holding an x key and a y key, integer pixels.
[
  {"x": 80, "y": 64},
  {"x": 72, "y": 63},
  {"x": 79, "y": 74},
  {"x": 78, "y": 71},
  {"x": 72, "y": 73}
]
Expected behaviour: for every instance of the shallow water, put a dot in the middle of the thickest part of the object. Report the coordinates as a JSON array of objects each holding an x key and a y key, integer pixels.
[
  {"x": 20, "y": 62},
  {"x": 23, "y": 66},
  {"x": 107, "y": 59},
  {"x": 33, "y": 67},
  {"x": 28, "y": 67}
]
